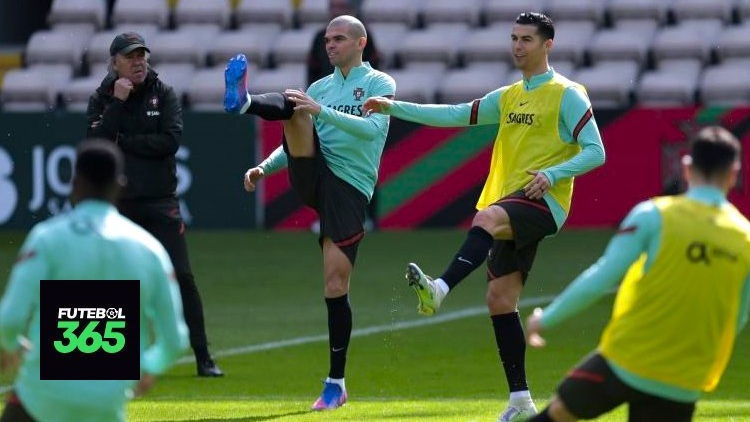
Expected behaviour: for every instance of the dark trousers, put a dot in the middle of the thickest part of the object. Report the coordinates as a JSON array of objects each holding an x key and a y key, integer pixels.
[{"x": 161, "y": 217}]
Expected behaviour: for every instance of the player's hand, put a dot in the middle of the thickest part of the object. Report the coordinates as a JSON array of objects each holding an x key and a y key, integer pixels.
[
  {"x": 144, "y": 384},
  {"x": 538, "y": 186},
  {"x": 123, "y": 87},
  {"x": 303, "y": 101},
  {"x": 251, "y": 177},
  {"x": 533, "y": 327},
  {"x": 376, "y": 105}
]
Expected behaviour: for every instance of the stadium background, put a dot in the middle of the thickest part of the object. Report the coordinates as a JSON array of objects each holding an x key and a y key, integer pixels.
[{"x": 429, "y": 177}]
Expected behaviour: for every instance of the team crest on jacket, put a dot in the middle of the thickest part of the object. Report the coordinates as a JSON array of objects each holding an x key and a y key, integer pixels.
[
  {"x": 358, "y": 93},
  {"x": 153, "y": 107}
]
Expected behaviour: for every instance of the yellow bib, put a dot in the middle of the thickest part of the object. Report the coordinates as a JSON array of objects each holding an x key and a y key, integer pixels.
[
  {"x": 676, "y": 322},
  {"x": 529, "y": 139}
]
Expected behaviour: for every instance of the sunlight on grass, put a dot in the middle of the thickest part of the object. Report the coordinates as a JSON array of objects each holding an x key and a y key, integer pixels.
[{"x": 375, "y": 409}]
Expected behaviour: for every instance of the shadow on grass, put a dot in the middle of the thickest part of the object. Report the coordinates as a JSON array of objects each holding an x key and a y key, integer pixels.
[{"x": 247, "y": 418}]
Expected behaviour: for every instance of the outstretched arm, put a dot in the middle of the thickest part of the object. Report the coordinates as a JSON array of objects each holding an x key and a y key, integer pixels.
[
  {"x": 483, "y": 111},
  {"x": 632, "y": 240}
]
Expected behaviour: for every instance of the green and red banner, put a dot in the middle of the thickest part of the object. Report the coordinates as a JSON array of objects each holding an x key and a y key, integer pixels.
[{"x": 431, "y": 177}]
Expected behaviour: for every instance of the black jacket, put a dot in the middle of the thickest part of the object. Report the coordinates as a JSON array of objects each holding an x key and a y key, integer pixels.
[{"x": 147, "y": 127}]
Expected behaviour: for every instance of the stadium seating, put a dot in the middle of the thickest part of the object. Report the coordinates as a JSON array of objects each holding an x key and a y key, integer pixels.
[
  {"x": 313, "y": 12},
  {"x": 140, "y": 12},
  {"x": 78, "y": 11},
  {"x": 680, "y": 51},
  {"x": 638, "y": 9},
  {"x": 672, "y": 83},
  {"x": 404, "y": 11},
  {"x": 254, "y": 41},
  {"x": 216, "y": 12},
  {"x": 629, "y": 39},
  {"x": 34, "y": 88},
  {"x": 264, "y": 12},
  {"x": 693, "y": 38},
  {"x": 437, "y": 43},
  {"x": 441, "y": 11},
  {"x": 485, "y": 44},
  {"x": 609, "y": 83},
  {"x": 418, "y": 81},
  {"x": 505, "y": 11},
  {"x": 473, "y": 81},
  {"x": 723, "y": 84}
]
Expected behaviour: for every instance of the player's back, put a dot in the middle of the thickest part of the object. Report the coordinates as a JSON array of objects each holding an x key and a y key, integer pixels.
[
  {"x": 95, "y": 242},
  {"x": 91, "y": 242}
]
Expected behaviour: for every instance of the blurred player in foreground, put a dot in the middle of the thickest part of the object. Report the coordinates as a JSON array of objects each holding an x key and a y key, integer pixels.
[
  {"x": 686, "y": 266},
  {"x": 66, "y": 247}
]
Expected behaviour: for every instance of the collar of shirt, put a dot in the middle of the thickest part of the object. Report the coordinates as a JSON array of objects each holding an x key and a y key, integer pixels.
[
  {"x": 354, "y": 73},
  {"x": 708, "y": 194},
  {"x": 94, "y": 206},
  {"x": 539, "y": 79}
]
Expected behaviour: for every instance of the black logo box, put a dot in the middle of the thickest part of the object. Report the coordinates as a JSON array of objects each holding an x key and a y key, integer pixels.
[{"x": 100, "y": 365}]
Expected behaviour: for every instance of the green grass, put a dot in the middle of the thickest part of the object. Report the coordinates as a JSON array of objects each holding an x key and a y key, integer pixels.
[{"x": 264, "y": 287}]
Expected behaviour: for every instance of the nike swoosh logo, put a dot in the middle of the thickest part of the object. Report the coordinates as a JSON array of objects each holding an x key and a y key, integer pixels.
[
  {"x": 462, "y": 259},
  {"x": 335, "y": 349},
  {"x": 522, "y": 103}
]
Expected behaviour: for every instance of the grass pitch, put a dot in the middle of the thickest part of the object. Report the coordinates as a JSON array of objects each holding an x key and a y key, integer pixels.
[{"x": 265, "y": 316}]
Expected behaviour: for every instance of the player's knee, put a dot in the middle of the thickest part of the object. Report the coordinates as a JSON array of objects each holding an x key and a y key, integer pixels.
[
  {"x": 495, "y": 221},
  {"x": 502, "y": 295}
]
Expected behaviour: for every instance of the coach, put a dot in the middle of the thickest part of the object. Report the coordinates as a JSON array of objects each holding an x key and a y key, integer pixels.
[{"x": 143, "y": 116}]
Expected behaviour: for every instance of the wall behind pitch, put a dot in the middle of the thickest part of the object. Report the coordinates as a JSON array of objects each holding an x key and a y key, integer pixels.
[
  {"x": 432, "y": 177},
  {"x": 37, "y": 152}
]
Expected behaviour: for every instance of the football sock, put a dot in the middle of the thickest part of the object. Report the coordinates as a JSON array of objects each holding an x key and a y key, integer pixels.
[
  {"x": 520, "y": 395},
  {"x": 271, "y": 106},
  {"x": 339, "y": 381},
  {"x": 339, "y": 333},
  {"x": 469, "y": 257},
  {"x": 442, "y": 285},
  {"x": 511, "y": 346}
]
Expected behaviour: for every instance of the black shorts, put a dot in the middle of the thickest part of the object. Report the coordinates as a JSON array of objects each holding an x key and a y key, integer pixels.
[
  {"x": 592, "y": 389},
  {"x": 340, "y": 206},
  {"x": 532, "y": 221}
]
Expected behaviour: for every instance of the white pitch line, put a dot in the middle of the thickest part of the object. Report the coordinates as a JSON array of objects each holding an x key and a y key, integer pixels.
[
  {"x": 375, "y": 329},
  {"x": 361, "y": 332}
]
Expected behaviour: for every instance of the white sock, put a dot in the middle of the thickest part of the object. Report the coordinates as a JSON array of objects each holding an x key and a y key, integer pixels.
[
  {"x": 523, "y": 395},
  {"x": 339, "y": 381},
  {"x": 442, "y": 285},
  {"x": 247, "y": 104}
]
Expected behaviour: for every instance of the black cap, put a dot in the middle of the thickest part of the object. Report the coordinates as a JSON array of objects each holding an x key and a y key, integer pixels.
[{"x": 127, "y": 42}]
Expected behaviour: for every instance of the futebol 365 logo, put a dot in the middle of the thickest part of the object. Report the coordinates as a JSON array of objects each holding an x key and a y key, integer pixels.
[
  {"x": 90, "y": 329},
  {"x": 89, "y": 338}
]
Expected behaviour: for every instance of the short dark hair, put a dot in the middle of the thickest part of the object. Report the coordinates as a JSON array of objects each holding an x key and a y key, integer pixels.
[
  {"x": 544, "y": 25},
  {"x": 99, "y": 162},
  {"x": 714, "y": 150}
]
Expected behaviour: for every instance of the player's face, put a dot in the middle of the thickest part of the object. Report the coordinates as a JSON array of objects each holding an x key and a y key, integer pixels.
[
  {"x": 528, "y": 49},
  {"x": 132, "y": 66},
  {"x": 342, "y": 48}
]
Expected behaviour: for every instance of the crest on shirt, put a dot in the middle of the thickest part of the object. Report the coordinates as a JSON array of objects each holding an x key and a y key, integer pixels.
[
  {"x": 153, "y": 102},
  {"x": 358, "y": 93}
]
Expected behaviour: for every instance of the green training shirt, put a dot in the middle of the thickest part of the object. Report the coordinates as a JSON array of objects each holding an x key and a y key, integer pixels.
[
  {"x": 91, "y": 242},
  {"x": 351, "y": 143}
]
